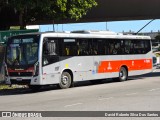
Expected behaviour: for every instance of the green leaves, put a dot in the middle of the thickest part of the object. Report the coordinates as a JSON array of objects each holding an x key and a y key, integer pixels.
[
  {"x": 78, "y": 8},
  {"x": 35, "y": 10}
]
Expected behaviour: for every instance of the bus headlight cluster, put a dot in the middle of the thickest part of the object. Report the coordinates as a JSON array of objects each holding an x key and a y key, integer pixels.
[{"x": 36, "y": 68}]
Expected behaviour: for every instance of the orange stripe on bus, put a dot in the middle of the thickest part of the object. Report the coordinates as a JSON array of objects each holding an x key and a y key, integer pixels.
[{"x": 114, "y": 66}]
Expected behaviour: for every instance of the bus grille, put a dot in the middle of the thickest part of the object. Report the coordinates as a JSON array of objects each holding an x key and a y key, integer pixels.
[
  {"x": 24, "y": 74},
  {"x": 23, "y": 82}
]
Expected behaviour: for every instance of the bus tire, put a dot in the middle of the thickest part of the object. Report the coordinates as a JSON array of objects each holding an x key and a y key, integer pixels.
[
  {"x": 66, "y": 80},
  {"x": 123, "y": 74},
  {"x": 35, "y": 87}
]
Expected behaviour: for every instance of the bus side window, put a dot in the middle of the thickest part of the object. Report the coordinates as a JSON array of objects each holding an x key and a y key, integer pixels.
[
  {"x": 112, "y": 48},
  {"x": 83, "y": 47},
  {"x": 52, "y": 48},
  {"x": 66, "y": 51},
  {"x": 50, "y": 51},
  {"x": 118, "y": 47},
  {"x": 69, "y": 47},
  {"x": 127, "y": 47},
  {"x": 139, "y": 47},
  {"x": 147, "y": 46},
  {"x": 45, "y": 47},
  {"x": 49, "y": 47}
]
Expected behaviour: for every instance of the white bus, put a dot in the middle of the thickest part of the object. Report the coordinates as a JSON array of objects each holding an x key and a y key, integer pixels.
[{"x": 47, "y": 58}]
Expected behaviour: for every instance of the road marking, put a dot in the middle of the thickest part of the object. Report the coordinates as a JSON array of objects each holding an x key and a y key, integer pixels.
[
  {"x": 105, "y": 98},
  {"x": 154, "y": 89},
  {"x": 132, "y": 94},
  {"x": 73, "y": 104}
]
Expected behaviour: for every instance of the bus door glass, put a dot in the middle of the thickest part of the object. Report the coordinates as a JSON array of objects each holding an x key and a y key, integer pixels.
[{"x": 50, "y": 51}]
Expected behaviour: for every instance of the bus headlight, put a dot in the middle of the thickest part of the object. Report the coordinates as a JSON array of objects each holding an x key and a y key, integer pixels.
[{"x": 36, "y": 73}]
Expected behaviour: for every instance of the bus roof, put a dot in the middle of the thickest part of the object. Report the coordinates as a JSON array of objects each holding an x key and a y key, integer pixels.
[{"x": 88, "y": 34}]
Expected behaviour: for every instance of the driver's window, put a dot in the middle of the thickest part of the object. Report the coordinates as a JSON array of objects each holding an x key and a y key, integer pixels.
[
  {"x": 50, "y": 51},
  {"x": 50, "y": 47}
]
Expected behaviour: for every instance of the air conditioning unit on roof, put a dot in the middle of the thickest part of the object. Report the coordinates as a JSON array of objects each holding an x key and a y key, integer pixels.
[{"x": 94, "y": 32}]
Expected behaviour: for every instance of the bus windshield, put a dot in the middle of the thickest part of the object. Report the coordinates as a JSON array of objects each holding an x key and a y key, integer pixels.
[{"x": 22, "y": 51}]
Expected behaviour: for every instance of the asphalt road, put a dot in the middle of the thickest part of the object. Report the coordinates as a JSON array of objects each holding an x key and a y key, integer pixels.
[{"x": 140, "y": 93}]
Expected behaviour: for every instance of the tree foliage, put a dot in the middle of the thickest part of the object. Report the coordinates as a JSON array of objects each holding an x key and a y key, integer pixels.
[{"x": 35, "y": 10}]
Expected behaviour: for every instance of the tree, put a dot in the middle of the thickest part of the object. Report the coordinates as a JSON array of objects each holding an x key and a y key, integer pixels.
[
  {"x": 7, "y": 15},
  {"x": 35, "y": 10}
]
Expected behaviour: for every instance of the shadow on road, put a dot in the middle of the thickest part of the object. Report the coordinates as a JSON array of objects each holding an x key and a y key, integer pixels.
[
  {"x": 153, "y": 74},
  {"x": 19, "y": 91}
]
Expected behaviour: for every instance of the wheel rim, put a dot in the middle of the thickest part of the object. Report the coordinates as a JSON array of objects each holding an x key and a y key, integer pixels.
[
  {"x": 122, "y": 74},
  {"x": 65, "y": 80}
]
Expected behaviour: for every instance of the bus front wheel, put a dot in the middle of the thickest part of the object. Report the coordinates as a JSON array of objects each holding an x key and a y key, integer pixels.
[
  {"x": 66, "y": 80},
  {"x": 123, "y": 74}
]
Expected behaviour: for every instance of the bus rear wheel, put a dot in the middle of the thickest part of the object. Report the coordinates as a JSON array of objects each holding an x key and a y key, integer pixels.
[
  {"x": 123, "y": 74},
  {"x": 66, "y": 80}
]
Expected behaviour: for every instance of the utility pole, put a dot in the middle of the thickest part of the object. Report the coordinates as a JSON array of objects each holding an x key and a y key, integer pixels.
[
  {"x": 106, "y": 26},
  {"x": 53, "y": 26}
]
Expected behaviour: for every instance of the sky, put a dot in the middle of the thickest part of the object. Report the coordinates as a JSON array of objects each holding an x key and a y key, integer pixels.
[{"x": 116, "y": 26}]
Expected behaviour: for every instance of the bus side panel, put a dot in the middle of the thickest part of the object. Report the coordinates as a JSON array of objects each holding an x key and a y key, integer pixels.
[
  {"x": 81, "y": 67},
  {"x": 107, "y": 66},
  {"x": 51, "y": 74},
  {"x": 138, "y": 64},
  {"x": 138, "y": 72}
]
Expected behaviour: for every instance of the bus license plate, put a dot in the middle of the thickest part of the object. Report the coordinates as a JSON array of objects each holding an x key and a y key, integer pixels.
[{"x": 19, "y": 79}]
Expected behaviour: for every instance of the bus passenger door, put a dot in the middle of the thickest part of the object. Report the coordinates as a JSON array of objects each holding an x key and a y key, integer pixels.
[{"x": 50, "y": 61}]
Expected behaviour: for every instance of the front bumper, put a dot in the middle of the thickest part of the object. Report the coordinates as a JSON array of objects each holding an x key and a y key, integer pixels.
[{"x": 22, "y": 80}]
